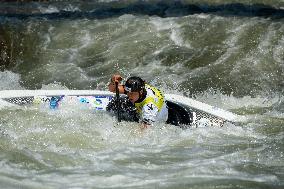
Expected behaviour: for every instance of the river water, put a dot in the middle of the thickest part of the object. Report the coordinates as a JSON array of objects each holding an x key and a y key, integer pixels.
[{"x": 224, "y": 53}]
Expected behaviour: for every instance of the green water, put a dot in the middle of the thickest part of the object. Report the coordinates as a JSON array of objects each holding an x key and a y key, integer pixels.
[{"x": 228, "y": 57}]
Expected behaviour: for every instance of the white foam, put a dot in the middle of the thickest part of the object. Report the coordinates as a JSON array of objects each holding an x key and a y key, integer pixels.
[
  {"x": 231, "y": 43},
  {"x": 278, "y": 50},
  {"x": 54, "y": 86},
  {"x": 48, "y": 10},
  {"x": 9, "y": 80},
  {"x": 203, "y": 16},
  {"x": 86, "y": 39},
  {"x": 163, "y": 23},
  {"x": 216, "y": 98},
  {"x": 175, "y": 32},
  {"x": 176, "y": 37},
  {"x": 127, "y": 17},
  {"x": 71, "y": 8}
]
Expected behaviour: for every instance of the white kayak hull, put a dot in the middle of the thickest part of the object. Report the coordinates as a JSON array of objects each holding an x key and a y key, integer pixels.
[{"x": 98, "y": 100}]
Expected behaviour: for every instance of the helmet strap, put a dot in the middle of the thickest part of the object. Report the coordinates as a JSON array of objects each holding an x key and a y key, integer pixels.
[{"x": 142, "y": 95}]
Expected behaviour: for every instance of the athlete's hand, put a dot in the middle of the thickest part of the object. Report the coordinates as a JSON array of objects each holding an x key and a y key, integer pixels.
[
  {"x": 111, "y": 87},
  {"x": 116, "y": 78},
  {"x": 144, "y": 126}
]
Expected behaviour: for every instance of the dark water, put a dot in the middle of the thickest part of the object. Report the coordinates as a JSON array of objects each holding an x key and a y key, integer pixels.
[{"x": 227, "y": 54}]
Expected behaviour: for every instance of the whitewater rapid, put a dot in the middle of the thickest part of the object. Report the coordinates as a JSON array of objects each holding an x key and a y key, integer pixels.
[{"x": 221, "y": 53}]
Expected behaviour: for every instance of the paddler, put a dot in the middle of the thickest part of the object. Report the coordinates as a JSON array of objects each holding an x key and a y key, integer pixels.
[{"x": 149, "y": 101}]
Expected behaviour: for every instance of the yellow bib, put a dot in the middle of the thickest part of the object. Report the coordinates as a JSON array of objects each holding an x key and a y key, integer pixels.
[{"x": 157, "y": 99}]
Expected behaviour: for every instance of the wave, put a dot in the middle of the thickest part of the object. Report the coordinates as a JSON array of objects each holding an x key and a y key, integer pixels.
[{"x": 102, "y": 10}]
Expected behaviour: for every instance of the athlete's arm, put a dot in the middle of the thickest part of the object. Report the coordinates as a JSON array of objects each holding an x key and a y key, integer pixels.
[{"x": 149, "y": 114}]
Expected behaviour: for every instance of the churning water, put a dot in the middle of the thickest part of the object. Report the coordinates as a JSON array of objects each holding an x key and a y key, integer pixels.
[{"x": 223, "y": 53}]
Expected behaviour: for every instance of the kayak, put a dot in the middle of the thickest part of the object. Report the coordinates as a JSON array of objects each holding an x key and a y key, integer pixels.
[{"x": 183, "y": 111}]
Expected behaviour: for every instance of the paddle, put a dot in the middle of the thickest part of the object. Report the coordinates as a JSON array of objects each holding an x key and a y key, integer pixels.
[{"x": 117, "y": 101}]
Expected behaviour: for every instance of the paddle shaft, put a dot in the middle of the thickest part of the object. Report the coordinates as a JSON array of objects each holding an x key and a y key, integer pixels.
[{"x": 117, "y": 101}]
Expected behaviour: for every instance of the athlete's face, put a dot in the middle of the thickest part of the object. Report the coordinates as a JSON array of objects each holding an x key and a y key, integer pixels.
[{"x": 133, "y": 96}]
